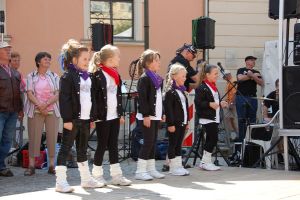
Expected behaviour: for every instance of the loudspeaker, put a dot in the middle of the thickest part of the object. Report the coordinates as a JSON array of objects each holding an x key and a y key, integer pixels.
[
  {"x": 291, "y": 97},
  {"x": 102, "y": 34},
  {"x": 297, "y": 44},
  {"x": 291, "y": 9},
  {"x": 203, "y": 34},
  {"x": 2, "y": 20},
  {"x": 251, "y": 154}
]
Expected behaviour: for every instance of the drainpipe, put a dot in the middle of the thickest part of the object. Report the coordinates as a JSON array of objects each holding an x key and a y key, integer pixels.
[
  {"x": 206, "y": 14},
  {"x": 146, "y": 23}
]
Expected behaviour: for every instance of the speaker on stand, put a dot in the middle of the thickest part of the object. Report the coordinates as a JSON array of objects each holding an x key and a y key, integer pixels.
[
  {"x": 102, "y": 34},
  {"x": 203, "y": 33},
  {"x": 291, "y": 9}
]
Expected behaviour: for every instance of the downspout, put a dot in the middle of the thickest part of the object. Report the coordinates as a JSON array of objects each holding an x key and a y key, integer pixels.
[{"x": 146, "y": 23}]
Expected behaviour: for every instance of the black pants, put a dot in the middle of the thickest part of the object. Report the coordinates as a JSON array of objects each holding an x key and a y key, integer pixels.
[
  {"x": 175, "y": 141},
  {"x": 147, "y": 151},
  {"x": 80, "y": 133},
  {"x": 211, "y": 140},
  {"x": 107, "y": 137}
]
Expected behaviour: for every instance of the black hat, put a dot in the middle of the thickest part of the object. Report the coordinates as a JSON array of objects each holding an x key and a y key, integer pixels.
[
  {"x": 250, "y": 58},
  {"x": 188, "y": 47}
]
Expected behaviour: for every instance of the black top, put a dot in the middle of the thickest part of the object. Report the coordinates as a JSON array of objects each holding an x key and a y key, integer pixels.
[
  {"x": 272, "y": 104},
  {"x": 69, "y": 96},
  {"x": 173, "y": 108},
  {"x": 99, "y": 96},
  {"x": 146, "y": 96},
  {"x": 248, "y": 87},
  {"x": 190, "y": 70},
  {"x": 203, "y": 96}
]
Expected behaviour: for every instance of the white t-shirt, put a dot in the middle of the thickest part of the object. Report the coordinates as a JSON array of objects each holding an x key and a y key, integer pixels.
[
  {"x": 158, "y": 108},
  {"x": 112, "y": 102},
  {"x": 217, "y": 100},
  {"x": 85, "y": 98},
  {"x": 183, "y": 103}
]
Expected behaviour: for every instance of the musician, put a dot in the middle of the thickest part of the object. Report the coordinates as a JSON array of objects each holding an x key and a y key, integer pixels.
[
  {"x": 184, "y": 55},
  {"x": 273, "y": 105},
  {"x": 246, "y": 105}
]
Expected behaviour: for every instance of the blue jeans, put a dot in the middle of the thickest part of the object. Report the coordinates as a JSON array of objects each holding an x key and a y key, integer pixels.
[
  {"x": 8, "y": 122},
  {"x": 246, "y": 108}
]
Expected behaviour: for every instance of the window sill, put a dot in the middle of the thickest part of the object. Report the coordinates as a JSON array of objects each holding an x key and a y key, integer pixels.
[
  {"x": 7, "y": 38},
  {"x": 118, "y": 42}
]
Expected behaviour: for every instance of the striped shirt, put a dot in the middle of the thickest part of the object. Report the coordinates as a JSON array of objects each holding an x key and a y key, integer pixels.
[{"x": 32, "y": 79}]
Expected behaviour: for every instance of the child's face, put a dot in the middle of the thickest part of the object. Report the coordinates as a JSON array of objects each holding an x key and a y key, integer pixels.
[
  {"x": 213, "y": 75},
  {"x": 115, "y": 60},
  {"x": 180, "y": 78},
  {"x": 155, "y": 64},
  {"x": 82, "y": 61}
]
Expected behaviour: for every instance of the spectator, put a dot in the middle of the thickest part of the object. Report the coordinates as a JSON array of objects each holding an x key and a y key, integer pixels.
[
  {"x": 42, "y": 109},
  {"x": 10, "y": 104},
  {"x": 15, "y": 64}
]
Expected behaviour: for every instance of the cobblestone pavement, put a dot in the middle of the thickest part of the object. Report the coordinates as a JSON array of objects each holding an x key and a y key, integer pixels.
[{"x": 229, "y": 183}]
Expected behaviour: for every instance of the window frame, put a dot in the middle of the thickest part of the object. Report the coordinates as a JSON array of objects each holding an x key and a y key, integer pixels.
[{"x": 111, "y": 19}]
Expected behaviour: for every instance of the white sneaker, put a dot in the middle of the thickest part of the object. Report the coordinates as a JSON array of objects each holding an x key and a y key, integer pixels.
[
  {"x": 100, "y": 179},
  {"x": 92, "y": 183},
  {"x": 63, "y": 187},
  {"x": 144, "y": 176},
  {"x": 178, "y": 172},
  {"x": 186, "y": 171},
  {"x": 209, "y": 166},
  {"x": 156, "y": 174},
  {"x": 120, "y": 180}
]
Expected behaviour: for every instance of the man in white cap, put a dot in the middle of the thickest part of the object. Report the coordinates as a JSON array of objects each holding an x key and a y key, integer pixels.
[{"x": 10, "y": 104}]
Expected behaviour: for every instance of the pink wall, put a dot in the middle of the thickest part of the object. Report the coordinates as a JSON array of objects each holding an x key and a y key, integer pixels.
[
  {"x": 45, "y": 25},
  {"x": 171, "y": 26}
]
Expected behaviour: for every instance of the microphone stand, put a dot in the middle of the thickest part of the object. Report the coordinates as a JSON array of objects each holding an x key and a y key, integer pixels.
[{"x": 247, "y": 105}]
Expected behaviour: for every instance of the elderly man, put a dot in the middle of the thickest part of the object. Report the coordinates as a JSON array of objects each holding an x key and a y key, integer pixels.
[{"x": 10, "y": 104}]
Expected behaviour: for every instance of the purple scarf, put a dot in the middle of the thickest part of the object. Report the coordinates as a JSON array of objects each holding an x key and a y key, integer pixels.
[
  {"x": 182, "y": 88},
  {"x": 155, "y": 78},
  {"x": 83, "y": 74}
]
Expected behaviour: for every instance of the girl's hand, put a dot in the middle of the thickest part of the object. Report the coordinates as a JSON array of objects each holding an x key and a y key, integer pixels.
[
  {"x": 224, "y": 104},
  {"x": 187, "y": 127},
  {"x": 92, "y": 125},
  {"x": 68, "y": 126},
  {"x": 171, "y": 129},
  {"x": 122, "y": 120},
  {"x": 147, "y": 122},
  {"x": 214, "y": 105},
  {"x": 163, "y": 118}
]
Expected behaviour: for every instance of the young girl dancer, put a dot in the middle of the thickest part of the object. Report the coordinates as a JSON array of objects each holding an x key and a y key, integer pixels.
[
  {"x": 149, "y": 113},
  {"x": 75, "y": 107},
  {"x": 207, "y": 103},
  {"x": 176, "y": 110},
  {"x": 108, "y": 111}
]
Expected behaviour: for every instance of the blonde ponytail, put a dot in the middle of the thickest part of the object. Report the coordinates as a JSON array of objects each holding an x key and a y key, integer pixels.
[{"x": 174, "y": 69}]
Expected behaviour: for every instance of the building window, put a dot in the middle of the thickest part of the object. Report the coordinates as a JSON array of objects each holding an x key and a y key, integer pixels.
[{"x": 116, "y": 12}]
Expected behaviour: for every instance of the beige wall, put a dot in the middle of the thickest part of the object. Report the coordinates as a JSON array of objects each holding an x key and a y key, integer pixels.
[
  {"x": 242, "y": 28},
  {"x": 36, "y": 25}
]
